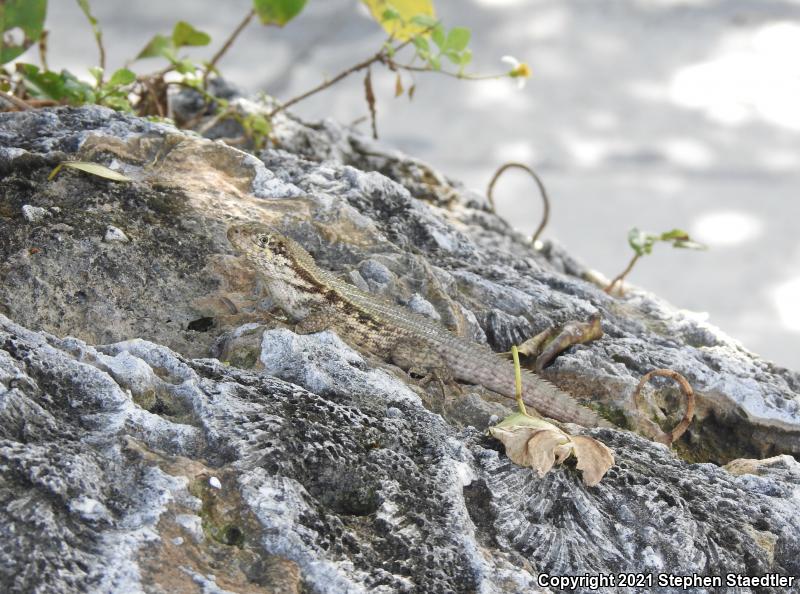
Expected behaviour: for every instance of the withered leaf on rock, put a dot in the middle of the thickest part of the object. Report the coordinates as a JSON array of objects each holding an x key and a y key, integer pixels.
[{"x": 532, "y": 441}]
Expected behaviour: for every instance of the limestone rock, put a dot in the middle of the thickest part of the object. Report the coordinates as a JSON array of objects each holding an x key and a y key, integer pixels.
[{"x": 336, "y": 472}]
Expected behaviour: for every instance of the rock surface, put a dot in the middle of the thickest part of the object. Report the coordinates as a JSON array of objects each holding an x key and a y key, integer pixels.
[{"x": 131, "y": 461}]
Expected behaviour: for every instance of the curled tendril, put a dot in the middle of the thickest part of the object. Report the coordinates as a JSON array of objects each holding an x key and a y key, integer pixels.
[
  {"x": 542, "y": 192},
  {"x": 686, "y": 389}
]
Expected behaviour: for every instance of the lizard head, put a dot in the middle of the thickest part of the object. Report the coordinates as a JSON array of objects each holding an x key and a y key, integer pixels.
[
  {"x": 274, "y": 255},
  {"x": 261, "y": 243},
  {"x": 280, "y": 261}
]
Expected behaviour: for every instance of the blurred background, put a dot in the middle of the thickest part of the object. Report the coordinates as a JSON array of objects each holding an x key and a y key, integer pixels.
[{"x": 647, "y": 113}]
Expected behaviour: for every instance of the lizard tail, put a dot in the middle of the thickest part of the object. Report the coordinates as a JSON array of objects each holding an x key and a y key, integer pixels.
[{"x": 552, "y": 402}]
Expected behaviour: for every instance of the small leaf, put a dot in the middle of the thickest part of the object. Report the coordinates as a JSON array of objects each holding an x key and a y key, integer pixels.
[
  {"x": 369, "y": 96},
  {"x": 398, "y": 85},
  {"x": 160, "y": 46},
  {"x": 185, "y": 66},
  {"x": 121, "y": 77},
  {"x": 640, "y": 241},
  {"x": 93, "y": 168},
  {"x": 458, "y": 38},
  {"x": 674, "y": 234},
  {"x": 411, "y": 91},
  {"x": 389, "y": 14},
  {"x": 97, "y": 73},
  {"x": 413, "y": 16},
  {"x": 421, "y": 44},
  {"x": 424, "y": 20},
  {"x": 277, "y": 12},
  {"x": 437, "y": 34},
  {"x": 184, "y": 34},
  {"x": 689, "y": 245},
  {"x": 453, "y": 56}
]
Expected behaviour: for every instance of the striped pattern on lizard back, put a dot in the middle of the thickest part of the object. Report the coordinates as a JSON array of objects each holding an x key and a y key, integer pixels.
[{"x": 316, "y": 300}]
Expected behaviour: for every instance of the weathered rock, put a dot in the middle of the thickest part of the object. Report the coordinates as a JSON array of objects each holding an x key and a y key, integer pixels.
[
  {"x": 108, "y": 457},
  {"x": 359, "y": 478}
]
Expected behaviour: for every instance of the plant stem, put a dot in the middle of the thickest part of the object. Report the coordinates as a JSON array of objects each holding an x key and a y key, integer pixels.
[
  {"x": 620, "y": 277},
  {"x": 43, "y": 49},
  {"x": 542, "y": 193},
  {"x": 226, "y": 46},
  {"x": 381, "y": 56},
  {"x": 518, "y": 380},
  {"x": 15, "y": 101},
  {"x": 460, "y": 76}
]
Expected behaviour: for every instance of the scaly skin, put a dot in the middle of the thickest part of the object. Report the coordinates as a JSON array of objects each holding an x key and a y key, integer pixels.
[{"x": 316, "y": 300}]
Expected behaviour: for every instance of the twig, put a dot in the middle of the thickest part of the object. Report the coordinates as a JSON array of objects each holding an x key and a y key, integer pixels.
[
  {"x": 98, "y": 36},
  {"x": 381, "y": 56},
  {"x": 226, "y": 46},
  {"x": 15, "y": 101},
  {"x": 458, "y": 75},
  {"x": 43, "y": 50},
  {"x": 621, "y": 276},
  {"x": 686, "y": 388},
  {"x": 518, "y": 380},
  {"x": 542, "y": 192}
]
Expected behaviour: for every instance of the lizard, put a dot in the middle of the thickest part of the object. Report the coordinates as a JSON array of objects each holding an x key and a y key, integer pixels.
[{"x": 316, "y": 300}]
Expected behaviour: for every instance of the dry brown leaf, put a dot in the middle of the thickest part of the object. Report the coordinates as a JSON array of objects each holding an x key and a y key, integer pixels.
[
  {"x": 594, "y": 458},
  {"x": 533, "y": 442}
]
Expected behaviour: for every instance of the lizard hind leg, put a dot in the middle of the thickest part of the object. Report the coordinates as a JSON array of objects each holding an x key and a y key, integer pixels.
[{"x": 416, "y": 358}]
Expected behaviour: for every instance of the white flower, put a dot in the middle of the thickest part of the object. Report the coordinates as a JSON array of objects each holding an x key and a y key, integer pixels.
[{"x": 519, "y": 70}]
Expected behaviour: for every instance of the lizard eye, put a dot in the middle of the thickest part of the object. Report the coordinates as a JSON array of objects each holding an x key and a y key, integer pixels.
[{"x": 263, "y": 241}]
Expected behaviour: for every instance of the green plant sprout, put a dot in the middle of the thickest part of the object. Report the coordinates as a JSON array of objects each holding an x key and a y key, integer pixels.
[
  {"x": 409, "y": 23},
  {"x": 642, "y": 243}
]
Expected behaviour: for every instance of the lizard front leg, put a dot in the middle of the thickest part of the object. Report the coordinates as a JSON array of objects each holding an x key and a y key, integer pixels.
[{"x": 316, "y": 321}]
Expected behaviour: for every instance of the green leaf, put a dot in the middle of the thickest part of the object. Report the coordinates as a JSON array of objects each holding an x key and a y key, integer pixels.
[
  {"x": 453, "y": 56},
  {"x": 89, "y": 167},
  {"x": 406, "y": 24},
  {"x": 421, "y": 44},
  {"x": 643, "y": 242},
  {"x": 389, "y": 14},
  {"x": 117, "y": 102},
  {"x": 56, "y": 86},
  {"x": 466, "y": 57},
  {"x": 425, "y": 21},
  {"x": 438, "y": 36},
  {"x": 277, "y": 12},
  {"x": 121, "y": 77},
  {"x": 160, "y": 46},
  {"x": 458, "y": 38},
  {"x": 97, "y": 73},
  {"x": 674, "y": 234},
  {"x": 640, "y": 241},
  {"x": 21, "y": 25},
  {"x": 185, "y": 66},
  {"x": 184, "y": 34}
]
